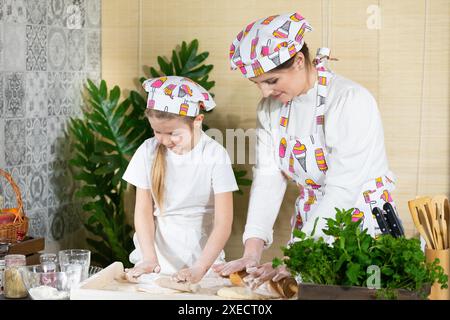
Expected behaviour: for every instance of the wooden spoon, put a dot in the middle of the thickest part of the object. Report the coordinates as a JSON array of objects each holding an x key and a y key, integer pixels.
[
  {"x": 415, "y": 216},
  {"x": 418, "y": 213},
  {"x": 440, "y": 204}
]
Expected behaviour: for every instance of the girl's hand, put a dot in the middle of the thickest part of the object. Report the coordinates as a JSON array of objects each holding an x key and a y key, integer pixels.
[
  {"x": 263, "y": 273},
  {"x": 143, "y": 267},
  {"x": 192, "y": 275},
  {"x": 225, "y": 269}
]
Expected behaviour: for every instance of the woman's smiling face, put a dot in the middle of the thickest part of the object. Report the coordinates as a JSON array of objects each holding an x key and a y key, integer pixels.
[{"x": 285, "y": 84}]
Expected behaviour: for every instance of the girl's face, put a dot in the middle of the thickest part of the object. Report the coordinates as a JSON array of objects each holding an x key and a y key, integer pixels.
[
  {"x": 285, "y": 84},
  {"x": 175, "y": 134}
]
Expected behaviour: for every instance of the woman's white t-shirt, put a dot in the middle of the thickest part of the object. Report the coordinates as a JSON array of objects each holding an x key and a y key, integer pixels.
[{"x": 191, "y": 181}]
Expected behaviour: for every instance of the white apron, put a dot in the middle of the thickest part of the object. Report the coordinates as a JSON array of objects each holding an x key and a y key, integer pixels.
[
  {"x": 179, "y": 241},
  {"x": 304, "y": 160}
]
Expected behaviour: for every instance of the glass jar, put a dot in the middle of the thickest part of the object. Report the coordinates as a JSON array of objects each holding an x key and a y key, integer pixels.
[
  {"x": 13, "y": 286},
  {"x": 2, "y": 269},
  {"x": 48, "y": 262},
  {"x": 48, "y": 265}
]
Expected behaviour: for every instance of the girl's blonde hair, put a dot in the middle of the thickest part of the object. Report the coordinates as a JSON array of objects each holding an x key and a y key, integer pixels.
[{"x": 159, "y": 162}]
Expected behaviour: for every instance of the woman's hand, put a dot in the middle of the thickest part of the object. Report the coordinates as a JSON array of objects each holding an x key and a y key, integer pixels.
[
  {"x": 265, "y": 272},
  {"x": 193, "y": 274},
  {"x": 142, "y": 267},
  {"x": 225, "y": 269}
]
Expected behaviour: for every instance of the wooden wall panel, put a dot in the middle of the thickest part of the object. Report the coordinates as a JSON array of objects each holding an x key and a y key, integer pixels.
[
  {"x": 400, "y": 81},
  {"x": 434, "y": 169},
  {"x": 404, "y": 63},
  {"x": 120, "y": 42}
]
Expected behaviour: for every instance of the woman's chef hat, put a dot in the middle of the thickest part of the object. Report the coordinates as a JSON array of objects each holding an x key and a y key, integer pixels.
[
  {"x": 177, "y": 95},
  {"x": 267, "y": 43}
]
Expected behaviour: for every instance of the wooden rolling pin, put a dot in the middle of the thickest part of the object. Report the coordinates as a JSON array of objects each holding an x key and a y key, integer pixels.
[{"x": 286, "y": 287}]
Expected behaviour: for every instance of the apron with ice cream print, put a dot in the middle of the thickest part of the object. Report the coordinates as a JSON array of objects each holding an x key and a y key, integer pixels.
[{"x": 304, "y": 160}]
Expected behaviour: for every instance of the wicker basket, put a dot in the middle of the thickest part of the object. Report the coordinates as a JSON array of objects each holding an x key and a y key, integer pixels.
[{"x": 16, "y": 230}]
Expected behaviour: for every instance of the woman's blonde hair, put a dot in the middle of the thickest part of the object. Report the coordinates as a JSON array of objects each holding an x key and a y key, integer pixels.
[{"x": 159, "y": 162}]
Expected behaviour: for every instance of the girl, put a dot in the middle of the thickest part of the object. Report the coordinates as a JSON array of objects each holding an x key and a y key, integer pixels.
[{"x": 184, "y": 184}]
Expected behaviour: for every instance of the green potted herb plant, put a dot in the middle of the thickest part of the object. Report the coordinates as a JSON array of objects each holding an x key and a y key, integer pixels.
[{"x": 358, "y": 266}]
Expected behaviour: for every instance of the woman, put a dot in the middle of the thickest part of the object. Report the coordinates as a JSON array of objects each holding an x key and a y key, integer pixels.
[{"x": 315, "y": 128}]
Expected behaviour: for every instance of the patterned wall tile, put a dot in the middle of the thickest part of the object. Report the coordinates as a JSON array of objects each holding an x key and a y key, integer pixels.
[
  {"x": 2, "y": 143},
  {"x": 15, "y": 142},
  {"x": 2, "y": 95},
  {"x": 19, "y": 175},
  {"x": 76, "y": 14},
  {"x": 47, "y": 49},
  {"x": 75, "y": 93},
  {"x": 58, "y": 148},
  {"x": 56, "y": 12},
  {"x": 93, "y": 13},
  {"x": 2, "y": 10},
  {"x": 93, "y": 56},
  {"x": 60, "y": 93},
  {"x": 15, "y": 47},
  {"x": 56, "y": 223},
  {"x": 37, "y": 141},
  {"x": 14, "y": 91},
  {"x": 36, "y": 94},
  {"x": 2, "y": 182},
  {"x": 61, "y": 184},
  {"x": 36, "y": 11},
  {"x": 57, "y": 49},
  {"x": 76, "y": 49},
  {"x": 2, "y": 45},
  {"x": 15, "y": 11},
  {"x": 36, "y": 48},
  {"x": 38, "y": 223},
  {"x": 72, "y": 217},
  {"x": 37, "y": 186}
]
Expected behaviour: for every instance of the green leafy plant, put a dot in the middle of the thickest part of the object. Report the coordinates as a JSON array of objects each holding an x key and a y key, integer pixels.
[
  {"x": 103, "y": 140},
  {"x": 185, "y": 62},
  {"x": 241, "y": 180},
  {"x": 401, "y": 261}
]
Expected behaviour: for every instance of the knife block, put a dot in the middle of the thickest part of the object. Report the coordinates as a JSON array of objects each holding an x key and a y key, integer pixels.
[{"x": 444, "y": 261}]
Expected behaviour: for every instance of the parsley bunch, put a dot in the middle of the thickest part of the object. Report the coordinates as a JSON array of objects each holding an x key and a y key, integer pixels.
[{"x": 345, "y": 262}]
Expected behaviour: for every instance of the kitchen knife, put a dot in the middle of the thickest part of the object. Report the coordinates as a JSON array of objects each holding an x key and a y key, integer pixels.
[
  {"x": 393, "y": 221},
  {"x": 381, "y": 219}
]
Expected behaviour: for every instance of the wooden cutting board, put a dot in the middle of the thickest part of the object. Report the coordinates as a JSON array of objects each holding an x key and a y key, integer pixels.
[{"x": 106, "y": 285}]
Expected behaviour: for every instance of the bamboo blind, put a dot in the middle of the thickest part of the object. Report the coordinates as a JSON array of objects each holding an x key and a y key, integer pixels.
[{"x": 399, "y": 50}]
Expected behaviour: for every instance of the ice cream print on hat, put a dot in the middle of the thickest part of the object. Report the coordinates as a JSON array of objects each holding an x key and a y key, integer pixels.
[
  {"x": 177, "y": 95},
  {"x": 267, "y": 43}
]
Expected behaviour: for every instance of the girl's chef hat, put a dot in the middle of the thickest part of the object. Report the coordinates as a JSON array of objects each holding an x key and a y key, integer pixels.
[
  {"x": 267, "y": 43},
  {"x": 177, "y": 95}
]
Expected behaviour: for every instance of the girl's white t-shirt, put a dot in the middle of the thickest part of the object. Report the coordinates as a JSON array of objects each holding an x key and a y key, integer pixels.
[
  {"x": 187, "y": 220},
  {"x": 191, "y": 179}
]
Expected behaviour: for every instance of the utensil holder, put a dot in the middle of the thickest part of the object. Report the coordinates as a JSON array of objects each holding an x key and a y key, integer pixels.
[{"x": 444, "y": 261}]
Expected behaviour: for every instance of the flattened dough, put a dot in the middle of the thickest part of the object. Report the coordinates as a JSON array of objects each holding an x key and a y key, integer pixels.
[{"x": 241, "y": 293}]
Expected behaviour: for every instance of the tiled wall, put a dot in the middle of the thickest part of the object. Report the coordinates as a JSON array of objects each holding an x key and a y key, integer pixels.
[{"x": 47, "y": 50}]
